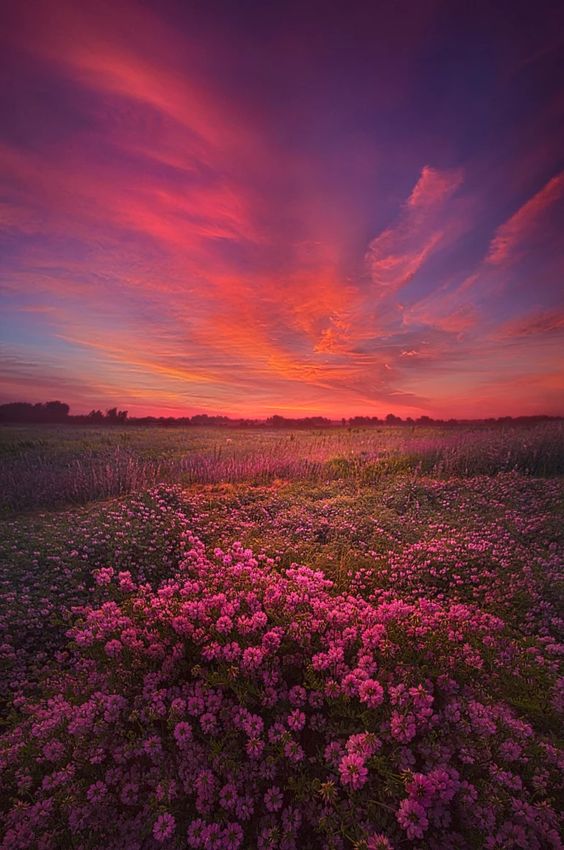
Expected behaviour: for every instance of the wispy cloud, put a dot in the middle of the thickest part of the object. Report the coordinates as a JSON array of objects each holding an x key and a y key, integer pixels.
[
  {"x": 514, "y": 235},
  {"x": 397, "y": 254},
  {"x": 533, "y": 324}
]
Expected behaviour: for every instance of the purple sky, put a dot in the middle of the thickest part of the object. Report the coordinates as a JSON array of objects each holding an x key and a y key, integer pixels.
[{"x": 287, "y": 207}]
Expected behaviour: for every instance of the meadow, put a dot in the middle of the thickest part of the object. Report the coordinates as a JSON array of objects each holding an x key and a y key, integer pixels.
[
  {"x": 281, "y": 640},
  {"x": 56, "y": 465}
]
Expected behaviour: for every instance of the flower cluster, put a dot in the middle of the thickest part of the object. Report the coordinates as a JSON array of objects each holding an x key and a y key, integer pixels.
[
  {"x": 236, "y": 704},
  {"x": 55, "y": 564}
]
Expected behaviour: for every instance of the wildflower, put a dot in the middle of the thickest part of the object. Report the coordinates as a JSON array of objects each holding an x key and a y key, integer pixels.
[
  {"x": 164, "y": 827},
  {"x": 296, "y": 720},
  {"x": 273, "y": 799},
  {"x": 254, "y": 747},
  {"x": 293, "y": 751},
  {"x": 371, "y": 692},
  {"x": 378, "y": 842},
  {"x": 196, "y": 833},
  {"x": 353, "y": 771},
  {"x": 183, "y": 733},
  {"x": 412, "y": 817},
  {"x": 113, "y": 648},
  {"x": 96, "y": 792},
  {"x": 232, "y": 837}
]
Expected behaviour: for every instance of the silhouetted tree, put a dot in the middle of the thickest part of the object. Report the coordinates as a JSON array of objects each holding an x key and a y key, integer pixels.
[
  {"x": 115, "y": 416},
  {"x": 307, "y": 422},
  {"x": 360, "y": 421},
  {"x": 22, "y": 411},
  {"x": 56, "y": 411}
]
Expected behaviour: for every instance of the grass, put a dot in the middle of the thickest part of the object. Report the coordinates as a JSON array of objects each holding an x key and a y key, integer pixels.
[{"x": 55, "y": 466}]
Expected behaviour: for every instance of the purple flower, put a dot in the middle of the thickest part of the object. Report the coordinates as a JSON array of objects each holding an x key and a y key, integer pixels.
[
  {"x": 412, "y": 817},
  {"x": 273, "y": 799},
  {"x": 164, "y": 827},
  {"x": 232, "y": 837},
  {"x": 182, "y": 733},
  {"x": 371, "y": 692},
  {"x": 353, "y": 771}
]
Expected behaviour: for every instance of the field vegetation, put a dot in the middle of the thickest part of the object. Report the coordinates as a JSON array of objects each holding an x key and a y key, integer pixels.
[
  {"x": 53, "y": 465},
  {"x": 224, "y": 638}
]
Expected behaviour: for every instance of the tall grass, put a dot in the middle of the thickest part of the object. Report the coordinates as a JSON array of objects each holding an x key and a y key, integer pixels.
[{"x": 50, "y": 467}]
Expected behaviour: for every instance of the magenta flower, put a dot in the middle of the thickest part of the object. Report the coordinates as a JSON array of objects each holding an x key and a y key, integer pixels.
[
  {"x": 228, "y": 642},
  {"x": 371, "y": 692},
  {"x": 232, "y": 837},
  {"x": 353, "y": 771},
  {"x": 412, "y": 817},
  {"x": 164, "y": 827},
  {"x": 378, "y": 842},
  {"x": 296, "y": 720},
  {"x": 182, "y": 733},
  {"x": 293, "y": 751},
  {"x": 273, "y": 799},
  {"x": 96, "y": 792}
]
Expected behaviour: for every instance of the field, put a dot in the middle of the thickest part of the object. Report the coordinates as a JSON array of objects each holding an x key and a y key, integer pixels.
[{"x": 221, "y": 639}]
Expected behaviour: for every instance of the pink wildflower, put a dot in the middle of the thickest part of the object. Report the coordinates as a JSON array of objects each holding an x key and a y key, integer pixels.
[{"x": 353, "y": 771}]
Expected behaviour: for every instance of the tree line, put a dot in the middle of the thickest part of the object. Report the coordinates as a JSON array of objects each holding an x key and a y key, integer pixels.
[{"x": 57, "y": 412}]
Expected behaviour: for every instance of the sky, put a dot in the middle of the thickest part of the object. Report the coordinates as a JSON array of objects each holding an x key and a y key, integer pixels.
[{"x": 296, "y": 208}]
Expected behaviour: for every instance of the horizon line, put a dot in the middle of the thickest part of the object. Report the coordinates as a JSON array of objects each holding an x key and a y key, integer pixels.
[{"x": 121, "y": 416}]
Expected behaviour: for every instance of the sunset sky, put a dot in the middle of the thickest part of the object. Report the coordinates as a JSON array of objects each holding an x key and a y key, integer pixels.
[{"x": 301, "y": 208}]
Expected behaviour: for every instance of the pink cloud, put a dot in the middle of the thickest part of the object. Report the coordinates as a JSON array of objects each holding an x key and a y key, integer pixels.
[
  {"x": 397, "y": 254},
  {"x": 512, "y": 236},
  {"x": 532, "y": 324},
  {"x": 433, "y": 188}
]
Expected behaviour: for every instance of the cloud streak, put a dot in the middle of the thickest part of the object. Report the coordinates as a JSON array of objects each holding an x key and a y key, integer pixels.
[
  {"x": 513, "y": 235},
  {"x": 396, "y": 255}
]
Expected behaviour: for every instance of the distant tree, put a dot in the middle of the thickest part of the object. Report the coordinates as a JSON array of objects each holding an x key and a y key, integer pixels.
[
  {"x": 276, "y": 421},
  {"x": 16, "y": 411},
  {"x": 115, "y": 416},
  {"x": 204, "y": 419},
  {"x": 393, "y": 420},
  {"x": 22, "y": 411},
  {"x": 56, "y": 411},
  {"x": 362, "y": 421}
]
